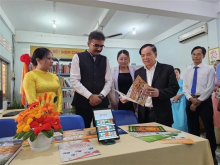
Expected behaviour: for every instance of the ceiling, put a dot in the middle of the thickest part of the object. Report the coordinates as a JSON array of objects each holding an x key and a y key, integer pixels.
[
  {"x": 78, "y": 20},
  {"x": 212, "y": 1}
]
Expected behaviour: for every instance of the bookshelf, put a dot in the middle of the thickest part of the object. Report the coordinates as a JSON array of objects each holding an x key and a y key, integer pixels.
[{"x": 62, "y": 70}]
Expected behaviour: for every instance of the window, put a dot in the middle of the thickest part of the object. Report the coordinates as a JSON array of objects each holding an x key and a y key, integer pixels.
[{"x": 4, "y": 86}]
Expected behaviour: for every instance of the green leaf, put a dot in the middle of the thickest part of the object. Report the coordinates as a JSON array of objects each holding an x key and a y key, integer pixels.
[
  {"x": 33, "y": 137},
  {"x": 16, "y": 135},
  {"x": 55, "y": 99},
  {"x": 46, "y": 133},
  {"x": 51, "y": 132},
  {"x": 20, "y": 135},
  {"x": 27, "y": 135},
  {"x": 60, "y": 130}
]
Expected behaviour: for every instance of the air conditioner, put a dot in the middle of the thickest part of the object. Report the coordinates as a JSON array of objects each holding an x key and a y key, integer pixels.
[{"x": 193, "y": 33}]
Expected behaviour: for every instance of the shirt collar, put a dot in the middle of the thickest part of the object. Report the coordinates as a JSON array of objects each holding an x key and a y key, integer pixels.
[
  {"x": 152, "y": 67},
  {"x": 199, "y": 66},
  {"x": 91, "y": 54}
]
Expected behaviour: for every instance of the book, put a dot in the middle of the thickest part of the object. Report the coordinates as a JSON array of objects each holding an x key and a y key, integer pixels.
[
  {"x": 79, "y": 149},
  {"x": 137, "y": 93},
  {"x": 8, "y": 150},
  {"x": 180, "y": 138},
  {"x": 146, "y": 129},
  {"x": 141, "y": 134}
]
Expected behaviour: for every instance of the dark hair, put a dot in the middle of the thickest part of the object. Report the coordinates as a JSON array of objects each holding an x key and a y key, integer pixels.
[
  {"x": 39, "y": 53},
  {"x": 199, "y": 47},
  {"x": 97, "y": 36},
  {"x": 218, "y": 60},
  {"x": 177, "y": 69},
  {"x": 123, "y": 52},
  {"x": 154, "y": 49}
]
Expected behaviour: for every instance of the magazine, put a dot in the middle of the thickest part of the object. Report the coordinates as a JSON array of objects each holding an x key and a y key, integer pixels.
[
  {"x": 137, "y": 93},
  {"x": 8, "y": 150},
  {"x": 146, "y": 129},
  {"x": 79, "y": 149}
]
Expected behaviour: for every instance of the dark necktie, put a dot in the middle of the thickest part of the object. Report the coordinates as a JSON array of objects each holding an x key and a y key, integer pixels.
[{"x": 193, "y": 89}]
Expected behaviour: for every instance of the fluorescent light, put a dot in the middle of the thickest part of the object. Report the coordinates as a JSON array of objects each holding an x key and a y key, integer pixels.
[
  {"x": 134, "y": 31},
  {"x": 54, "y": 24}
]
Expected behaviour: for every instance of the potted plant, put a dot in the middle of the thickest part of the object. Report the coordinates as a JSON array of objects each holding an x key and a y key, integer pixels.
[{"x": 38, "y": 122}]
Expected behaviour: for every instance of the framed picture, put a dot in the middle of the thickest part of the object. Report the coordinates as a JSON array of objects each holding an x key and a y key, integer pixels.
[{"x": 213, "y": 55}]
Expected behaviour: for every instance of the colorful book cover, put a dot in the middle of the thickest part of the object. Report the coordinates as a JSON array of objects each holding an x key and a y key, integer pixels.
[
  {"x": 146, "y": 129},
  {"x": 79, "y": 149},
  {"x": 8, "y": 150},
  {"x": 141, "y": 134},
  {"x": 137, "y": 93},
  {"x": 157, "y": 137}
]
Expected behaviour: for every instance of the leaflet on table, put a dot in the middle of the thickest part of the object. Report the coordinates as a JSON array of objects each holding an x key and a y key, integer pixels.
[
  {"x": 79, "y": 149},
  {"x": 105, "y": 125},
  {"x": 153, "y": 138},
  {"x": 137, "y": 93},
  {"x": 9, "y": 149},
  {"x": 146, "y": 129},
  {"x": 141, "y": 134},
  {"x": 181, "y": 138}
]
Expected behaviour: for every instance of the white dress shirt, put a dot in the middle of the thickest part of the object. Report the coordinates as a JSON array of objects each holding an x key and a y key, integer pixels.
[
  {"x": 205, "y": 81},
  {"x": 150, "y": 75},
  {"x": 75, "y": 78}
]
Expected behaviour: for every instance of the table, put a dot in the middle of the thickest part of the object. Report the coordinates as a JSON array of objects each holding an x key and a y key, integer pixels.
[{"x": 128, "y": 150}]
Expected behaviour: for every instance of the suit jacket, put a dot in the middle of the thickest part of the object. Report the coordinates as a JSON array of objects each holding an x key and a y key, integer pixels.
[
  {"x": 115, "y": 72},
  {"x": 164, "y": 80}
]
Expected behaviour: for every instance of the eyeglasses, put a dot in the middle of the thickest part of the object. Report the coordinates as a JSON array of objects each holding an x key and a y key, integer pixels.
[{"x": 97, "y": 45}]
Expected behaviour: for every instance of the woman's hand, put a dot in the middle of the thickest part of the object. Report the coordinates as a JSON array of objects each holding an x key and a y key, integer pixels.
[
  {"x": 123, "y": 100},
  {"x": 176, "y": 98}
]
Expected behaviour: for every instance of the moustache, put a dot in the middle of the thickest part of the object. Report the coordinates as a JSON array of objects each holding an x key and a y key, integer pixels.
[{"x": 98, "y": 51}]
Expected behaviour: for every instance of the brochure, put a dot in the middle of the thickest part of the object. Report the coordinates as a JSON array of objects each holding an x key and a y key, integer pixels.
[
  {"x": 146, "y": 129},
  {"x": 8, "y": 150},
  {"x": 79, "y": 149},
  {"x": 157, "y": 137},
  {"x": 137, "y": 93},
  {"x": 181, "y": 138}
]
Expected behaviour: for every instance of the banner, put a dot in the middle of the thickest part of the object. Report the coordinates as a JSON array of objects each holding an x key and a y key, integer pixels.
[{"x": 59, "y": 52}]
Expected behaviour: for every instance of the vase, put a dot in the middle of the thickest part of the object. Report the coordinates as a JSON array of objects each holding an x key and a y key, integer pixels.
[{"x": 41, "y": 143}]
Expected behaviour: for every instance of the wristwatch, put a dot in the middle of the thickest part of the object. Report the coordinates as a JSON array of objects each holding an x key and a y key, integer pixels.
[{"x": 102, "y": 96}]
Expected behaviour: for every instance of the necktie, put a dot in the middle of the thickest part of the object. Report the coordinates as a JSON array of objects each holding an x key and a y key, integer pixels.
[{"x": 193, "y": 89}]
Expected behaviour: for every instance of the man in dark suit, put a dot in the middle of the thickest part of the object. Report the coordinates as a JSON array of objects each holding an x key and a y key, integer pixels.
[{"x": 162, "y": 79}]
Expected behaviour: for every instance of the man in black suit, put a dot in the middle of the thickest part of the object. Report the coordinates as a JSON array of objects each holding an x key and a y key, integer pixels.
[{"x": 162, "y": 79}]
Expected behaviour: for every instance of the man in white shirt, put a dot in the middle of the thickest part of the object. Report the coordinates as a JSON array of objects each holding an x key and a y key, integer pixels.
[
  {"x": 90, "y": 76},
  {"x": 198, "y": 85}
]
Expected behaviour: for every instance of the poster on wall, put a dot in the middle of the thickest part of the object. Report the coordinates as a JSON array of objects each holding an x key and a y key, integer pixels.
[
  {"x": 59, "y": 52},
  {"x": 213, "y": 55}
]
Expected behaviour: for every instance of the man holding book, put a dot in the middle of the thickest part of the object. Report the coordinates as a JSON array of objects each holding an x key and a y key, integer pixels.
[{"x": 163, "y": 86}]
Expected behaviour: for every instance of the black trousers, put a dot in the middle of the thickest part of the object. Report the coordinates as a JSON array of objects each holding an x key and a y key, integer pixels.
[
  {"x": 87, "y": 115},
  {"x": 205, "y": 111}
]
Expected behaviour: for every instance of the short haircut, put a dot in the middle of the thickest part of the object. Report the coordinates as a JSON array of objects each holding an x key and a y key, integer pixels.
[
  {"x": 199, "y": 47},
  {"x": 96, "y": 35},
  {"x": 178, "y": 70},
  {"x": 39, "y": 53},
  {"x": 154, "y": 49},
  {"x": 123, "y": 52}
]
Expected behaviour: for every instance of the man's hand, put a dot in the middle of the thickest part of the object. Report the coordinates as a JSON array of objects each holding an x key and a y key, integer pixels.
[
  {"x": 195, "y": 101},
  {"x": 95, "y": 100},
  {"x": 193, "y": 107},
  {"x": 153, "y": 92}
]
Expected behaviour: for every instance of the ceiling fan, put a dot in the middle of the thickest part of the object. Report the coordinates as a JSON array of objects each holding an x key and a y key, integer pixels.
[{"x": 110, "y": 36}]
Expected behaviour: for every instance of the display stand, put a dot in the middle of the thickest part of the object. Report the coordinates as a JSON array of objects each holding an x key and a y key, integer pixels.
[{"x": 108, "y": 142}]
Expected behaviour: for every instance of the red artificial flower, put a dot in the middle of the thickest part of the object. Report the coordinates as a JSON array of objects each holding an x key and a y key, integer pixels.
[
  {"x": 41, "y": 124},
  {"x": 25, "y": 58},
  {"x": 33, "y": 105},
  {"x": 56, "y": 124}
]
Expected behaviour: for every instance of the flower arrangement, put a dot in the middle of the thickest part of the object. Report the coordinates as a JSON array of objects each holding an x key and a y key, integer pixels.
[{"x": 38, "y": 117}]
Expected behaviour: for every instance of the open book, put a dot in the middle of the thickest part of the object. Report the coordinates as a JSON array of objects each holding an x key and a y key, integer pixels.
[{"x": 137, "y": 92}]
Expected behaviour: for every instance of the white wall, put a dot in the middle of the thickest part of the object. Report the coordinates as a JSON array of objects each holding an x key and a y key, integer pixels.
[
  {"x": 170, "y": 51},
  {"x": 4, "y": 53}
]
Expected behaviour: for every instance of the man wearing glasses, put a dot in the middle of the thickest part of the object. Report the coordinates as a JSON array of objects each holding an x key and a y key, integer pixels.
[
  {"x": 90, "y": 76},
  {"x": 198, "y": 85}
]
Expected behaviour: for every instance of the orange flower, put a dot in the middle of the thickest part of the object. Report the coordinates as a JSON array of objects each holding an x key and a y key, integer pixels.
[
  {"x": 45, "y": 96},
  {"x": 49, "y": 97},
  {"x": 23, "y": 102},
  {"x": 39, "y": 98}
]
